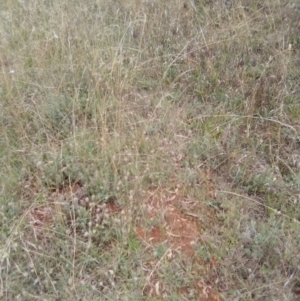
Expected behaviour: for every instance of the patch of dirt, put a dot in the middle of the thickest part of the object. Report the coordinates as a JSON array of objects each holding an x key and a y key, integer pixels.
[
  {"x": 182, "y": 230},
  {"x": 154, "y": 235},
  {"x": 179, "y": 230},
  {"x": 171, "y": 224}
]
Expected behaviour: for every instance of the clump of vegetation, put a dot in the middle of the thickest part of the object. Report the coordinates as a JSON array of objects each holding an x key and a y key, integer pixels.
[{"x": 127, "y": 125}]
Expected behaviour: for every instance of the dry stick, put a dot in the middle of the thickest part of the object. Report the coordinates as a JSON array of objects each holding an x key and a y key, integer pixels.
[{"x": 266, "y": 206}]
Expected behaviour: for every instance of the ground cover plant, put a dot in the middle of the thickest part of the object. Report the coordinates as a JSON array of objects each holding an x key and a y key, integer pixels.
[{"x": 149, "y": 150}]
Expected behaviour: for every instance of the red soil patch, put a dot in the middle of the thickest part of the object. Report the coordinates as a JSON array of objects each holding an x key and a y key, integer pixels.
[
  {"x": 154, "y": 235},
  {"x": 182, "y": 231},
  {"x": 178, "y": 230}
]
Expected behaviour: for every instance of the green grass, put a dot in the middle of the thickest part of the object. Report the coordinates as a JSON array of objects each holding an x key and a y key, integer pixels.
[{"x": 107, "y": 106}]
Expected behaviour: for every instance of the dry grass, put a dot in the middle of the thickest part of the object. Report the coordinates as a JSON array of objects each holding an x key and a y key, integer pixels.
[{"x": 149, "y": 150}]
